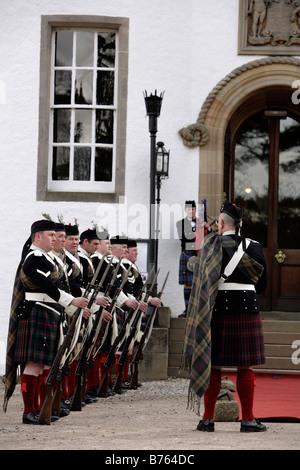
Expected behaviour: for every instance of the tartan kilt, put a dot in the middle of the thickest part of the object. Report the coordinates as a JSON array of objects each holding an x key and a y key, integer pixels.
[
  {"x": 185, "y": 276},
  {"x": 237, "y": 339},
  {"x": 37, "y": 336}
]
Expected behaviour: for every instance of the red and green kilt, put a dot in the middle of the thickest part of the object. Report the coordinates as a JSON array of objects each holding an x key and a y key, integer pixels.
[
  {"x": 37, "y": 336},
  {"x": 237, "y": 339}
]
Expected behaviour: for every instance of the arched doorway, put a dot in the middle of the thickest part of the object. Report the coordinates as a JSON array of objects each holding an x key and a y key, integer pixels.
[
  {"x": 260, "y": 89},
  {"x": 262, "y": 173}
]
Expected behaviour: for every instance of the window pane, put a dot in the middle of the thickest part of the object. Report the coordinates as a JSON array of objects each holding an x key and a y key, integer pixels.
[
  {"x": 105, "y": 88},
  {"x": 83, "y": 126},
  {"x": 84, "y": 49},
  {"x": 289, "y": 188},
  {"x": 84, "y": 87},
  {"x": 82, "y": 163},
  {"x": 106, "y": 49},
  {"x": 61, "y": 161},
  {"x": 63, "y": 48},
  {"x": 251, "y": 176},
  {"x": 103, "y": 164},
  {"x": 62, "y": 87},
  {"x": 104, "y": 126},
  {"x": 61, "y": 125}
]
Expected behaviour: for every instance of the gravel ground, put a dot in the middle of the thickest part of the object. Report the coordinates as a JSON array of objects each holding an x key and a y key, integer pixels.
[{"x": 152, "y": 418}]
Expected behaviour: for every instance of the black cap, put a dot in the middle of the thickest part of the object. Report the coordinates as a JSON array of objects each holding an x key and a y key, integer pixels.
[
  {"x": 71, "y": 230},
  {"x": 234, "y": 211},
  {"x": 60, "y": 227},
  {"x": 42, "y": 225},
  {"x": 89, "y": 234},
  {"x": 190, "y": 204},
  {"x": 131, "y": 243},
  {"x": 119, "y": 240}
]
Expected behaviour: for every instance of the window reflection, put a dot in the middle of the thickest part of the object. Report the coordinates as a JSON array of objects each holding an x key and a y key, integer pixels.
[
  {"x": 251, "y": 176},
  {"x": 103, "y": 164},
  {"x": 61, "y": 125},
  {"x": 106, "y": 49},
  {"x": 63, "y": 84},
  {"x": 289, "y": 187},
  {"x": 104, "y": 126},
  {"x": 82, "y": 163},
  {"x": 105, "y": 88},
  {"x": 83, "y": 126},
  {"x": 61, "y": 163},
  {"x": 84, "y": 49},
  {"x": 63, "y": 48},
  {"x": 84, "y": 87}
]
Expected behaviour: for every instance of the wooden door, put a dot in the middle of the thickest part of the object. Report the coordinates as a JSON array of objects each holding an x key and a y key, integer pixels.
[{"x": 265, "y": 180}]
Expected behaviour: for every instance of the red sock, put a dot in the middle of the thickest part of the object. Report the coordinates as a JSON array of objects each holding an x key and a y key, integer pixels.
[
  {"x": 28, "y": 389},
  {"x": 65, "y": 389},
  {"x": 245, "y": 383},
  {"x": 37, "y": 397},
  {"x": 126, "y": 370},
  {"x": 43, "y": 387},
  {"x": 211, "y": 394},
  {"x": 93, "y": 375},
  {"x": 103, "y": 370}
]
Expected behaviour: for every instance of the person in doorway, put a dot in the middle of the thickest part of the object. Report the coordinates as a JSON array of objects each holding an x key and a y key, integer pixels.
[{"x": 224, "y": 317}]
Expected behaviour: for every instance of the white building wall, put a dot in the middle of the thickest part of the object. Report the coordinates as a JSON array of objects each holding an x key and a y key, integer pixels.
[{"x": 182, "y": 47}]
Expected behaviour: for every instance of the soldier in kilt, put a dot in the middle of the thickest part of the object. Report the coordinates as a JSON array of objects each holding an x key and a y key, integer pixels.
[
  {"x": 224, "y": 327},
  {"x": 37, "y": 307}
]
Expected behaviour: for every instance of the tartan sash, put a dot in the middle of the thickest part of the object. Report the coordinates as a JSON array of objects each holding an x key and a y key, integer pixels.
[
  {"x": 10, "y": 378},
  {"x": 196, "y": 354},
  {"x": 21, "y": 282}
]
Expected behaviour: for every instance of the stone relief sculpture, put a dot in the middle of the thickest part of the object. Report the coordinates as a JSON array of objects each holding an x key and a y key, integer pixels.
[{"x": 273, "y": 22}]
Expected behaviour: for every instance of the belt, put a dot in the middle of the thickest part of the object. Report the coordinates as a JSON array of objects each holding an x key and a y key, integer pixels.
[
  {"x": 235, "y": 286},
  {"x": 39, "y": 297}
]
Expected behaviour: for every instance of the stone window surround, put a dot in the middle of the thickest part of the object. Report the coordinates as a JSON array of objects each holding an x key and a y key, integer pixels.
[
  {"x": 48, "y": 22},
  {"x": 208, "y": 133}
]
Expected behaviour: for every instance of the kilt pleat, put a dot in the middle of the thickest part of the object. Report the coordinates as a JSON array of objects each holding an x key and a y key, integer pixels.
[
  {"x": 237, "y": 340},
  {"x": 185, "y": 276},
  {"x": 37, "y": 337}
]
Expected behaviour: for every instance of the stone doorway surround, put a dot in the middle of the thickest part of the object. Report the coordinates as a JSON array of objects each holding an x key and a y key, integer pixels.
[{"x": 265, "y": 75}]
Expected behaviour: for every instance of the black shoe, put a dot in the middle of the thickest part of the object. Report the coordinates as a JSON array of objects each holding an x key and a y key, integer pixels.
[
  {"x": 64, "y": 411},
  {"x": 92, "y": 392},
  {"x": 30, "y": 418},
  {"x": 252, "y": 426},
  {"x": 207, "y": 425},
  {"x": 88, "y": 399},
  {"x": 182, "y": 315},
  {"x": 110, "y": 392}
]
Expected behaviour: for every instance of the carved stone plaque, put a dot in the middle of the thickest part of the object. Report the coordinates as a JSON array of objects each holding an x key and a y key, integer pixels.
[{"x": 269, "y": 27}]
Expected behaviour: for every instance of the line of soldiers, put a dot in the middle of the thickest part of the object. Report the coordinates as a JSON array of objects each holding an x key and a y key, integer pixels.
[{"x": 84, "y": 291}]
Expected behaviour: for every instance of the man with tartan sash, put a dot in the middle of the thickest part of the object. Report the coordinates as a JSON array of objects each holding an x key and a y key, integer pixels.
[
  {"x": 36, "y": 313},
  {"x": 224, "y": 326}
]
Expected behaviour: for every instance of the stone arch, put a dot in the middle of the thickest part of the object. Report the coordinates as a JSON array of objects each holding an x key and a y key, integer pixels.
[{"x": 270, "y": 74}]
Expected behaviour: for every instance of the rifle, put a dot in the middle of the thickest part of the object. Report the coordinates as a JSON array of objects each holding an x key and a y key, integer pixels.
[
  {"x": 83, "y": 364},
  {"x": 117, "y": 387},
  {"x": 55, "y": 371},
  {"x": 137, "y": 358},
  {"x": 103, "y": 388}
]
